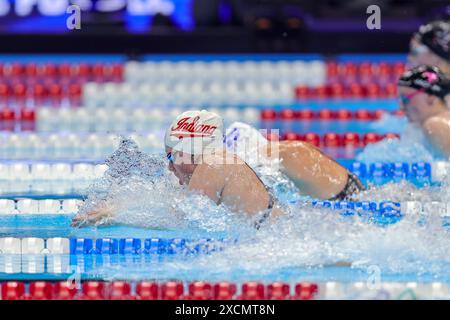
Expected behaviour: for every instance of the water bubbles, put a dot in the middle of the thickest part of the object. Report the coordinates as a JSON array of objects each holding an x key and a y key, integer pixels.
[
  {"x": 411, "y": 147},
  {"x": 147, "y": 195}
]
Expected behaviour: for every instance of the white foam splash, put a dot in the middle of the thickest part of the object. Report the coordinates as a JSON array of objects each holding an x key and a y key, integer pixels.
[
  {"x": 388, "y": 121},
  {"x": 314, "y": 238},
  {"x": 149, "y": 197},
  {"x": 411, "y": 147}
]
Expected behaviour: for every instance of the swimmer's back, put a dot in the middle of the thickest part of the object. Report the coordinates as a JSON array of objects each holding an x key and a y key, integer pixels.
[{"x": 227, "y": 179}]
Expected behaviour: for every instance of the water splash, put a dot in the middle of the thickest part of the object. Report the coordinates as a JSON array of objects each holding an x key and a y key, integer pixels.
[
  {"x": 411, "y": 147},
  {"x": 312, "y": 239},
  {"x": 142, "y": 192},
  {"x": 388, "y": 121},
  {"x": 148, "y": 196}
]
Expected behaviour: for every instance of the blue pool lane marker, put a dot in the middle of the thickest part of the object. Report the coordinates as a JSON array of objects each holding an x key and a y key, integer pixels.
[
  {"x": 418, "y": 173},
  {"x": 385, "y": 213},
  {"x": 152, "y": 246}
]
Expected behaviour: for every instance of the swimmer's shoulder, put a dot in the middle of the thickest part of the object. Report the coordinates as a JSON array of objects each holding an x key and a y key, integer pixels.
[
  {"x": 281, "y": 146},
  {"x": 292, "y": 146},
  {"x": 438, "y": 130},
  {"x": 437, "y": 122},
  {"x": 220, "y": 159},
  {"x": 220, "y": 165}
]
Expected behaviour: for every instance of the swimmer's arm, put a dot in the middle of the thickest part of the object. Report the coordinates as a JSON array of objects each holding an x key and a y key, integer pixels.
[
  {"x": 207, "y": 180},
  {"x": 102, "y": 214},
  {"x": 438, "y": 131}
]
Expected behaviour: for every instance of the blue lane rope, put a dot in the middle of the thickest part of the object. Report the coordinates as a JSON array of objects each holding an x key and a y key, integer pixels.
[{"x": 158, "y": 246}]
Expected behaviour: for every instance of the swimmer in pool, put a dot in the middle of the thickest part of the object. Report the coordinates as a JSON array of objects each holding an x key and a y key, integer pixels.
[
  {"x": 423, "y": 93},
  {"x": 431, "y": 46},
  {"x": 198, "y": 157}
]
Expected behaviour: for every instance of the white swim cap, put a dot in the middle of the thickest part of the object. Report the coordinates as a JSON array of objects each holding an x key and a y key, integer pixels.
[
  {"x": 195, "y": 131},
  {"x": 245, "y": 141}
]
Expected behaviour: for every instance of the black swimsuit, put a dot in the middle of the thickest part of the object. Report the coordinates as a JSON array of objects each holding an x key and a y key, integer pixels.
[
  {"x": 269, "y": 206},
  {"x": 353, "y": 187},
  {"x": 268, "y": 211}
]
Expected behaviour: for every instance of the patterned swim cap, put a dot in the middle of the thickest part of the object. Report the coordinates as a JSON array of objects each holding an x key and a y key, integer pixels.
[
  {"x": 436, "y": 36},
  {"x": 427, "y": 78}
]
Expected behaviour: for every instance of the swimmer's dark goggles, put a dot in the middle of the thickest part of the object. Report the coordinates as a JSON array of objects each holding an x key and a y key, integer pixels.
[
  {"x": 406, "y": 99},
  {"x": 170, "y": 157},
  {"x": 418, "y": 48}
]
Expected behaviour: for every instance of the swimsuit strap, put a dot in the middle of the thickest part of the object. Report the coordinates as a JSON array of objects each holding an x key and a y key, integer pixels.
[
  {"x": 352, "y": 187},
  {"x": 271, "y": 204},
  {"x": 268, "y": 189}
]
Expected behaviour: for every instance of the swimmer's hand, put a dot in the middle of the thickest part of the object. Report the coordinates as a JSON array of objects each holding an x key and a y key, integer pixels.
[{"x": 99, "y": 216}]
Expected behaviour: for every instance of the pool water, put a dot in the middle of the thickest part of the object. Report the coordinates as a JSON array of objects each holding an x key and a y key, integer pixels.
[{"x": 163, "y": 234}]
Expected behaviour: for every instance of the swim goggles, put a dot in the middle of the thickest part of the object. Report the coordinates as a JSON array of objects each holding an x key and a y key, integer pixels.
[
  {"x": 406, "y": 99},
  {"x": 170, "y": 157},
  {"x": 418, "y": 49}
]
